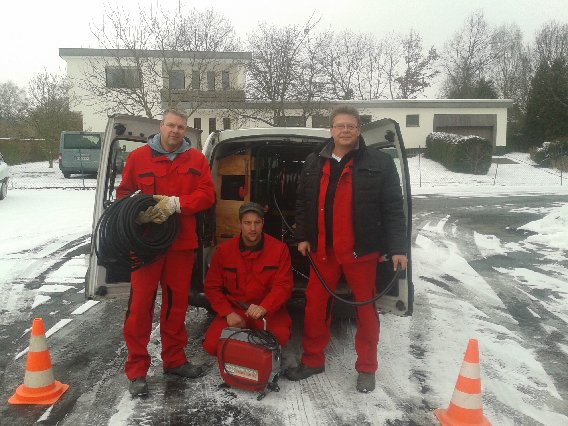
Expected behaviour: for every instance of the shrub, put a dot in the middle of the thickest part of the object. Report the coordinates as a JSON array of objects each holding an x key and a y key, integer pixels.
[
  {"x": 18, "y": 151},
  {"x": 462, "y": 154},
  {"x": 551, "y": 154}
]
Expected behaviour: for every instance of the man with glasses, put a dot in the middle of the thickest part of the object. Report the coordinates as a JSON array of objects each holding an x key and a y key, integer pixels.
[{"x": 349, "y": 212}]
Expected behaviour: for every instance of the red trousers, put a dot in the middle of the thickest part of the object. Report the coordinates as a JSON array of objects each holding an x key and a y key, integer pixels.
[
  {"x": 360, "y": 277},
  {"x": 173, "y": 272},
  {"x": 278, "y": 324}
]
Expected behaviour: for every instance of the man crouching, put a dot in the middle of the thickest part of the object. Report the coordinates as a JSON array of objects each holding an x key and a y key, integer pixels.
[{"x": 252, "y": 269}]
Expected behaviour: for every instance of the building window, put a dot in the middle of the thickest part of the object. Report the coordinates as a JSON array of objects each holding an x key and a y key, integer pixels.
[
  {"x": 197, "y": 123},
  {"x": 320, "y": 121},
  {"x": 177, "y": 80},
  {"x": 226, "y": 123},
  {"x": 290, "y": 121},
  {"x": 210, "y": 80},
  {"x": 413, "y": 120},
  {"x": 225, "y": 80},
  {"x": 123, "y": 78},
  {"x": 195, "y": 80},
  {"x": 365, "y": 119},
  {"x": 212, "y": 124}
]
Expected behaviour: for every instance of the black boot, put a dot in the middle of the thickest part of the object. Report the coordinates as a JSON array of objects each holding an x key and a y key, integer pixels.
[
  {"x": 302, "y": 371},
  {"x": 186, "y": 370},
  {"x": 138, "y": 387}
]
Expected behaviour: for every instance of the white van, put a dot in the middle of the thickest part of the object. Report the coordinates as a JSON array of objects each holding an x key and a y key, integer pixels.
[{"x": 261, "y": 165}]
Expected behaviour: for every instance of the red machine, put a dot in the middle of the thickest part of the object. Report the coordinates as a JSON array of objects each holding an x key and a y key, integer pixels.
[{"x": 249, "y": 359}]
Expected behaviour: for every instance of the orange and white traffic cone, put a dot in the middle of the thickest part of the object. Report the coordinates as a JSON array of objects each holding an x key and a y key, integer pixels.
[
  {"x": 39, "y": 385},
  {"x": 465, "y": 408}
]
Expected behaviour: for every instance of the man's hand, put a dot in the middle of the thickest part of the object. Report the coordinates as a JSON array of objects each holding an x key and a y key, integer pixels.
[
  {"x": 166, "y": 207},
  {"x": 399, "y": 259},
  {"x": 235, "y": 320},
  {"x": 146, "y": 216},
  {"x": 255, "y": 312},
  {"x": 304, "y": 247}
]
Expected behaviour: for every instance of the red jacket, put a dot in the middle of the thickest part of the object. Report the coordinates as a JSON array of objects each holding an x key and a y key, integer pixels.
[
  {"x": 186, "y": 177},
  {"x": 343, "y": 233},
  {"x": 262, "y": 277}
]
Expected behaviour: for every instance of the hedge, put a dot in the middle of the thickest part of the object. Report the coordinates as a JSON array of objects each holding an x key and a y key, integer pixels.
[
  {"x": 551, "y": 154},
  {"x": 18, "y": 151},
  {"x": 462, "y": 154}
]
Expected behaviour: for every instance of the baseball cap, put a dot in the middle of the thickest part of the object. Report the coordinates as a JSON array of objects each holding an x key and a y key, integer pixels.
[{"x": 251, "y": 207}]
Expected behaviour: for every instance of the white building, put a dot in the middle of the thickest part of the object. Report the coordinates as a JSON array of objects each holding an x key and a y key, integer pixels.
[{"x": 210, "y": 86}]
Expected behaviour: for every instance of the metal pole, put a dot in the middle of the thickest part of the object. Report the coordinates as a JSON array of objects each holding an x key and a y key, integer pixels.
[
  {"x": 496, "y": 168},
  {"x": 419, "y": 169}
]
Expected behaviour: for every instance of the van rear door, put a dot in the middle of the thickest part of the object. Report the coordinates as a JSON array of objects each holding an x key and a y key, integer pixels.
[
  {"x": 123, "y": 134},
  {"x": 385, "y": 135}
]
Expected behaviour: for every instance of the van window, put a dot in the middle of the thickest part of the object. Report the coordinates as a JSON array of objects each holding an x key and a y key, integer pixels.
[{"x": 81, "y": 141}]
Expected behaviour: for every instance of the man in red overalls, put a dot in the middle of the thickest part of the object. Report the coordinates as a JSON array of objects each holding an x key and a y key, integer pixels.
[
  {"x": 349, "y": 210},
  {"x": 178, "y": 176},
  {"x": 251, "y": 269}
]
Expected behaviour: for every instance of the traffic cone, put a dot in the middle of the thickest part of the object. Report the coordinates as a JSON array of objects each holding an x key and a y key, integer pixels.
[
  {"x": 39, "y": 385},
  {"x": 465, "y": 408}
]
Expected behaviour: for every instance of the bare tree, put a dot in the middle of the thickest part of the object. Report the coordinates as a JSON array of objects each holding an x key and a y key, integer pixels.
[
  {"x": 551, "y": 43},
  {"x": 13, "y": 102},
  {"x": 49, "y": 112},
  {"x": 468, "y": 56},
  {"x": 13, "y": 111},
  {"x": 281, "y": 67},
  {"x": 140, "y": 53},
  {"x": 418, "y": 70},
  {"x": 354, "y": 66}
]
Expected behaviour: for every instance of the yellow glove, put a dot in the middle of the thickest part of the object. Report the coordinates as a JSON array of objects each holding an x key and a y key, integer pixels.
[
  {"x": 166, "y": 207},
  {"x": 146, "y": 216}
]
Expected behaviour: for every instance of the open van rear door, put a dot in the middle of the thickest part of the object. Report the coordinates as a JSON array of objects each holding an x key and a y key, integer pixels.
[
  {"x": 385, "y": 135},
  {"x": 123, "y": 134}
]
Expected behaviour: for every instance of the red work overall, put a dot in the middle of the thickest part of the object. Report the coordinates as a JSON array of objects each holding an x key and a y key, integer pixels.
[
  {"x": 359, "y": 272},
  {"x": 263, "y": 277},
  {"x": 187, "y": 177}
]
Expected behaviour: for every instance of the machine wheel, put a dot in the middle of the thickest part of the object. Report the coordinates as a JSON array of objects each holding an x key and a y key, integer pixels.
[
  {"x": 66, "y": 175},
  {"x": 3, "y": 189}
]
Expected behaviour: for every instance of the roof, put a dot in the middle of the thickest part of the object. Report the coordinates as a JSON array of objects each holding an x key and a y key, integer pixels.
[
  {"x": 359, "y": 104},
  {"x": 274, "y": 131},
  {"x": 79, "y": 52}
]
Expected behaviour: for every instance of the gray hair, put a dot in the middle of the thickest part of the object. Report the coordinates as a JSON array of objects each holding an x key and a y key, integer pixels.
[
  {"x": 176, "y": 111},
  {"x": 347, "y": 110}
]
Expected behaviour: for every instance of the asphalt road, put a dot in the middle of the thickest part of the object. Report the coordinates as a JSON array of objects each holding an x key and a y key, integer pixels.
[{"x": 88, "y": 353}]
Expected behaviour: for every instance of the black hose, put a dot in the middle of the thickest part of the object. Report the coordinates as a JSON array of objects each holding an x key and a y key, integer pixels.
[
  {"x": 122, "y": 243},
  {"x": 325, "y": 285}
]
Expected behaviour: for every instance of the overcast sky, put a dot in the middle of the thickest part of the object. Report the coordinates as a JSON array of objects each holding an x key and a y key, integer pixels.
[{"x": 31, "y": 32}]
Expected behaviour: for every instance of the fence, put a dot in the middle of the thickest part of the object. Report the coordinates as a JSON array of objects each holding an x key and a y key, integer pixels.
[{"x": 514, "y": 169}]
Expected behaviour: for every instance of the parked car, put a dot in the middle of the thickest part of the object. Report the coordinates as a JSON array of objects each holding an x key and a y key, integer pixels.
[
  {"x": 4, "y": 177},
  {"x": 261, "y": 165},
  {"x": 79, "y": 152}
]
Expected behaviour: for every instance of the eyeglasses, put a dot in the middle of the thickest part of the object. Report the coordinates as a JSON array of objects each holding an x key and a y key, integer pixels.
[{"x": 349, "y": 127}]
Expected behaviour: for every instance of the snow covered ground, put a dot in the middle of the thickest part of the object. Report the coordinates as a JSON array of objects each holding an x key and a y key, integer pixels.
[{"x": 43, "y": 234}]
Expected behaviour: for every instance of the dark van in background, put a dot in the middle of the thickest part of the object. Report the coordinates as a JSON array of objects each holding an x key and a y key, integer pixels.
[{"x": 79, "y": 152}]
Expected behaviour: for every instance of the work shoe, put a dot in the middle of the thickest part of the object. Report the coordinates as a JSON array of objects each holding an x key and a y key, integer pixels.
[
  {"x": 302, "y": 371},
  {"x": 366, "y": 382},
  {"x": 186, "y": 370},
  {"x": 138, "y": 387}
]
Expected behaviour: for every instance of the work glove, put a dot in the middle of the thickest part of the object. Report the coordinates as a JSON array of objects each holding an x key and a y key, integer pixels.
[
  {"x": 149, "y": 215},
  {"x": 166, "y": 207}
]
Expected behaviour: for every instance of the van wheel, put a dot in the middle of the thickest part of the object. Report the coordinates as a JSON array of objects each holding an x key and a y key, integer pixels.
[
  {"x": 66, "y": 175},
  {"x": 3, "y": 189}
]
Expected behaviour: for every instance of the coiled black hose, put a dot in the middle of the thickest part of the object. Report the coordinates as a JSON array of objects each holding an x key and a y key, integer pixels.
[{"x": 122, "y": 243}]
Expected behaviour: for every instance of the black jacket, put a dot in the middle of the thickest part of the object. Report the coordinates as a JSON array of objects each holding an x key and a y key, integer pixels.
[{"x": 378, "y": 212}]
